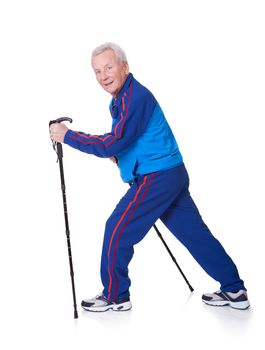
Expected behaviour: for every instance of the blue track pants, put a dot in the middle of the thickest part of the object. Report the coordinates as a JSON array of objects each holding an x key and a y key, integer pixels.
[{"x": 161, "y": 195}]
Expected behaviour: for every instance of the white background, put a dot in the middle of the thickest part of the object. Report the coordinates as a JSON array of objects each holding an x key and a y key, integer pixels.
[{"x": 204, "y": 62}]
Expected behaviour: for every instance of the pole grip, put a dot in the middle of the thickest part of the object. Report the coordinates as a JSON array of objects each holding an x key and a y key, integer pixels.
[
  {"x": 59, "y": 150},
  {"x": 60, "y": 120}
]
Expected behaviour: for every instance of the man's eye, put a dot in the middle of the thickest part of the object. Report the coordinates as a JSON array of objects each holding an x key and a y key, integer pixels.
[{"x": 109, "y": 67}]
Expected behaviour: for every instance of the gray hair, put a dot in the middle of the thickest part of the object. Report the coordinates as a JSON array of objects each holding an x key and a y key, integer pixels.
[{"x": 110, "y": 46}]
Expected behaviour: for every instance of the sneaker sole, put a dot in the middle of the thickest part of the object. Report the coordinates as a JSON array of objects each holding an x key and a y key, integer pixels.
[
  {"x": 241, "y": 305},
  {"x": 115, "y": 307}
]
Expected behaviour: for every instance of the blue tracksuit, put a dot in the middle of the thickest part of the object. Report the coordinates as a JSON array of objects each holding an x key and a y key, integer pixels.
[{"x": 149, "y": 158}]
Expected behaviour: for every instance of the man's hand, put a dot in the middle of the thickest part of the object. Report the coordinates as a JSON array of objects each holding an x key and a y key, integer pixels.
[
  {"x": 114, "y": 159},
  {"x": 58, "y": 131}
]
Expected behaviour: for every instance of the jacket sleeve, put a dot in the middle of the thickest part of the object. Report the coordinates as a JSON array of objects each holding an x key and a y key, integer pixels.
[{"x": 134, "y": 113}]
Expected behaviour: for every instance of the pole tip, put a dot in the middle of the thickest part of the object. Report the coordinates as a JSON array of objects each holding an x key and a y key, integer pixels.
[{"x": 75, "y": 314}]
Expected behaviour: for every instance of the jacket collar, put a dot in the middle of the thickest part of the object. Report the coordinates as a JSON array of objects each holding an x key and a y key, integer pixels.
[
  {"x": 124, "y": 88},
  {"x": 116, "y": 102}
]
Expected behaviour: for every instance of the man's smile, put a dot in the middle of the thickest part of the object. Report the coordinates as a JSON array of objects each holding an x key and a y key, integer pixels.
[{"x": 108, "y": 84}]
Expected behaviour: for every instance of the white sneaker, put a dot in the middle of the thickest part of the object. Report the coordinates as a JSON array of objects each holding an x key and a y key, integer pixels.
[
  {"x": 238, "y": 300},
  {"x": 100, "y": 303}
]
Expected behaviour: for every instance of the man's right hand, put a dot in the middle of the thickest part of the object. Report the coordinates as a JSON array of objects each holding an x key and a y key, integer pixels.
[{"x": 114, "y": 159}]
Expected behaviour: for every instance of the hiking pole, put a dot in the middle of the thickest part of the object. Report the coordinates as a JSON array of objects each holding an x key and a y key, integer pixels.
[
  {"x": 172, "y": 257},
  {"x": 57, "y": 146}
]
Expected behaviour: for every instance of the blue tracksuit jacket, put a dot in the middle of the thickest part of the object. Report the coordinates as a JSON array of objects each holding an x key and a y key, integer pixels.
[{"x": 140, "y": 139}]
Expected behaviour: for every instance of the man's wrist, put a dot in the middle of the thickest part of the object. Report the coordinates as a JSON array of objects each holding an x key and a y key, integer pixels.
[{"x": 67, "y": 136}]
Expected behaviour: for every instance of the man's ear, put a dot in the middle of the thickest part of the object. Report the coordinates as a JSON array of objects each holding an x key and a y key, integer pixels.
[{"x": 126, "y": 68}]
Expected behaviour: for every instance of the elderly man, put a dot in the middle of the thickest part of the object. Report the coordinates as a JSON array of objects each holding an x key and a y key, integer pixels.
[{"x": 147, "y": 154}]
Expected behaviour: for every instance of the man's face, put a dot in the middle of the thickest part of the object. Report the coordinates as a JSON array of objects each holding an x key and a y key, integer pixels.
[{"x": 110, "y": 72}]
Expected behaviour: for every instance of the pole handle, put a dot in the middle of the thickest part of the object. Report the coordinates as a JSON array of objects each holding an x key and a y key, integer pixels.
[
  {"x": 56, "y": 145},
  {"x": 60, "y": 120}
]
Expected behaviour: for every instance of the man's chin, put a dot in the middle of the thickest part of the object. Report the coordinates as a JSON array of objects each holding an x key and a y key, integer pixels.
[{"x": 110, "y": 90}]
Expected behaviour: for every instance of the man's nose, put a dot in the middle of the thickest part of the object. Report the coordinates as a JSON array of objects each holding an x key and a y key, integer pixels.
[{"x": 104, "y": 75}]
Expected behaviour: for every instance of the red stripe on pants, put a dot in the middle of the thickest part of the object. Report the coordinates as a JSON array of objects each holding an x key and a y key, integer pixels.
[{"x": 116, "y": 228}]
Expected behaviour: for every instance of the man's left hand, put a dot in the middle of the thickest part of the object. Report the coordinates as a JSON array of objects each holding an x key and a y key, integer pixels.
[{"x": 58, "y": 131}]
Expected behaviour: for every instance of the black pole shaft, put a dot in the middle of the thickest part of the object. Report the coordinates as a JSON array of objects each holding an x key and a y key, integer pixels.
[
  {"x": 67, "y": 230},
  {"x": 173, "y": 258}
]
